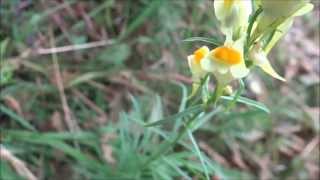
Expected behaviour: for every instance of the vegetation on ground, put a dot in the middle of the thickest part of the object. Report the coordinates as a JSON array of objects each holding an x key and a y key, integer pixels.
[{"x": 79, "y": 81}]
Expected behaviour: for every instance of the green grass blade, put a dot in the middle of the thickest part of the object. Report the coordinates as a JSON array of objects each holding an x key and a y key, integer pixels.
[
  {"x": 24, "y": 123},
  {"x": 147, "y": 12},
  {"x": 56, "y": 142},
  {"x": 174, "y": 165},
  {"x": 86, "y": 77}
]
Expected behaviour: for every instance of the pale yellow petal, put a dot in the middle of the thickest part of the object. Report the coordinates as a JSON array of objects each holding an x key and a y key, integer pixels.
[
  {"x": 190, "y": 59},
  {"x": 266, "y": 67},
  {"x": 221, "y": 68},
  {"x": 284, "y": 27},
  {"x": 245, "y": 11},
  {"x": 239, "y": 71},
  {"x": 232, "y": 15},
  {"x": 223, "y": 79},
  {"x": 304, "y": 10},
  {"x": 282, "y": 8},
  {"x": 207, "y": 65}
]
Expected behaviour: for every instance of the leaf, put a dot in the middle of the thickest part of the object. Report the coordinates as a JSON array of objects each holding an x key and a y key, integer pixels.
[
  {"x": 17, "y": 118},
  {"x": 173, "y": 162},
  {"x": 193, "y": 109},
  {"x": 116, "y": 54},
  {"x": 199, "y": 154},
  {"x": 205, "y": 118},
  {"x": 6, "y": 73},
  {"x": 141, "y": 18},
  {"x": 3, "y": 48},
  {"x": 53, "y": 140},
  {"x": 248, "y": 102},
  {"x": 157, "y": 110},
  {"x": 203, "y": 39},
  {"x": 183, "y": 104},
  {"x": 78, "y": 39},
  {"x": 86, "y": 77},
  {"x": 7, "y": 172},
  {"x": 184, "y": 97},
  {"x": 252, "y": 19}
]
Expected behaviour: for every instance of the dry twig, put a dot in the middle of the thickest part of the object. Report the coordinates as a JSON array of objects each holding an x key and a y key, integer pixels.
[
  {"x": 43, "y": 51},
  {"x": 19, "y": 166},
  {"x": 72, "y": 125}
]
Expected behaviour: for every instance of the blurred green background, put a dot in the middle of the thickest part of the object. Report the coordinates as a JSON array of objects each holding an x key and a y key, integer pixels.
[{"x": 77, "y": 112}]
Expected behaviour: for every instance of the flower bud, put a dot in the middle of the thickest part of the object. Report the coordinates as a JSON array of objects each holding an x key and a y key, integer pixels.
[
  {"x": 281, "y": 8},
  {"x": 233, "y": 16},
  {"x": 228, "y": 90},
  {"x": 281, "y": 11}
]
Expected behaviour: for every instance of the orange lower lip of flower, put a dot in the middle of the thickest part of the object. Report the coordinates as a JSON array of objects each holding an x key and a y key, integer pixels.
[
  {"x": 226, "y": 55},
  {"x": 199, "y": 54}
]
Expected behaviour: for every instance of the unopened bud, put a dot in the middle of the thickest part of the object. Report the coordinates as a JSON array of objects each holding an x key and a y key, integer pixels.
[{"x": 228, "y": 90}]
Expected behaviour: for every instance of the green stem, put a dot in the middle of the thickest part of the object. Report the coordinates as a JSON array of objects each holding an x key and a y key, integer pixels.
[
  {"x": 165, "y": 147},
  {"x": 236, "y": 96},
  {"x": 217, "y": 93}
]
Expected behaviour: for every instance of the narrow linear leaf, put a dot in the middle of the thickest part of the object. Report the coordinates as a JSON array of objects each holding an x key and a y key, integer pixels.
[
  {"x": 17, "y": 118},
  {"x": 205, "y": 118},
  {"x": 183, "y": 104},
  {"x": 3, "y": 47},
  {"x": 174, "y": 164},
  {"x": 252, "y": 20},
  {"x": 147, "y": 12},
  {"x": 199, "y": 154},
  {"x": 47, "y": 139},
  {"x": 248, "y": 102},
  {"x": 184, "y": 113},
  {"x": 86, "y": 77},
  {"x": 203, "y": 39}
]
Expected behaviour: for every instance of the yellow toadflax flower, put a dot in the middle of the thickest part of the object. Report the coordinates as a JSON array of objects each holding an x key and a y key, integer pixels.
[
  {"x": 226, "y": 63},
  {"x": 233, "y": 16},
  {"x": 281, "y": 14},
  {"x": 285, "y": 11},
  {"x": 194, "y": 62},
  {"x": 282, "y": 10}
]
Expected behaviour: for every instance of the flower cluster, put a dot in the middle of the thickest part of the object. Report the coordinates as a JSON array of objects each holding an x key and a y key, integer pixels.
[{"x": 251, "y": 29}]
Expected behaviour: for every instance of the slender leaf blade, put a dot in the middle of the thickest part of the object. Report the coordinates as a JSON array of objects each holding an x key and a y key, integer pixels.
[
  {"x": 248, "y": 102},
  {"x": 193, "y": 109},
  {"x": 17, "y": 118},
  {"x": 203, "y": 39}
]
